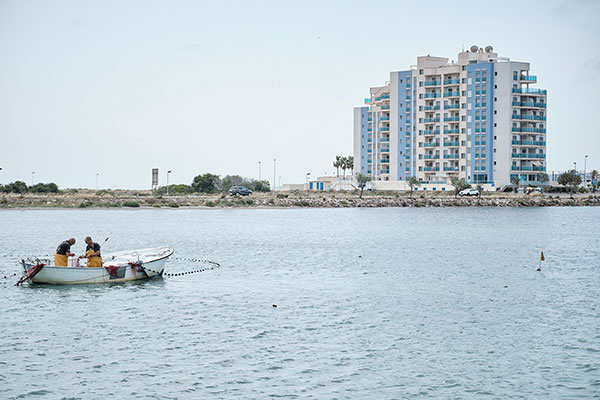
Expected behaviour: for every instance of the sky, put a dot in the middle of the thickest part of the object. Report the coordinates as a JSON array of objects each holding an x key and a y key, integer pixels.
[{"x": 108, "y": 90}]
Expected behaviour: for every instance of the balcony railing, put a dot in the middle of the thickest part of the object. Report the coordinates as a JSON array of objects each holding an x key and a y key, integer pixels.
[
  {"x": 528, "y": 104},
  {"x": 431, "y": 144},
  {"x": 432, "y": 83},
  {"x": 367, "y": 101},
  {"x": 384, "y": 129},
  {"x": 529, "y": 130},
  {"x": 384, "y": 139},
  {"x": 382, "y": 97},
  {"x": 431, "y": 168},
  {"x": 384, "y": 171},
  {"x": 530, "y": 117},
  {"x": 450, "y": 168},
  {"x": 451, "y": 94},
  {"x": 528, "y": 168},
  {"x": 432, "y": 95},
  {"x": 384, "y": 149},
  {"x": 529, "y": 91},
  {"x": 530, "y": 78},
  {"x": 450, "y": 119},
  {"x": 450, "y": 144},
  {"x": 528, "y": 155},
  {"x": 451, "y": 131},
  {"x": 451, "y": 156},
  {"x": 451, "y": 81},
  {"x": 430, "y": 120},
  {"x": 431, "y": 156},
  {"x": 431, "y": 132},
  {"x": 452, "y": 107},
  {"x": 384, "y": 118},
  {"x": 528, "y": 143},
  {"x": 431, "y": 108}
]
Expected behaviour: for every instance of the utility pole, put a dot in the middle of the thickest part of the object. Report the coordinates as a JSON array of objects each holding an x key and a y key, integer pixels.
[
  {"x": 97, "y": 173},
  {"x": 168, "y": 172},
  {"x": 584, "y": 168},
  {"x": 259, "y": 170},
  {"x": 274, "y": 182},
  {"x": 32, "y": 173}
]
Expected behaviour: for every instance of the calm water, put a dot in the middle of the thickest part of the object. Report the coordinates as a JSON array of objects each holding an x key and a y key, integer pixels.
[{"x": 372, "y": 303}]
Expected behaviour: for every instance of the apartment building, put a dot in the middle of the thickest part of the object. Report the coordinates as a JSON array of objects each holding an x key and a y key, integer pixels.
[{"x": 477, "y": 118}]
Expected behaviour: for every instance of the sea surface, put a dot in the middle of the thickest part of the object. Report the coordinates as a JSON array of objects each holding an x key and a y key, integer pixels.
[{"x": 392, "y": 303}]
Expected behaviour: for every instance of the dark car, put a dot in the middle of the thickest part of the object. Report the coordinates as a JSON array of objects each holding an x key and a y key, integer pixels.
[{"x": 241, "y": 190}]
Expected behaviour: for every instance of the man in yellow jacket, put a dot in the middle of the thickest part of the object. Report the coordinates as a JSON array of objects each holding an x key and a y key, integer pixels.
[
  {"x": 92, "y": 253},
  {"x": 63, "y": 251}
]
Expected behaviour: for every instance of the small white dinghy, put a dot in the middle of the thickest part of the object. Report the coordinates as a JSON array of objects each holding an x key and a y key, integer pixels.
[{"x": 123, "y": 266}]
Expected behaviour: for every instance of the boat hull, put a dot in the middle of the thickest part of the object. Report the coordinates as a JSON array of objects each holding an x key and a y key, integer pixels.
[{"x": 122, "y": 272}]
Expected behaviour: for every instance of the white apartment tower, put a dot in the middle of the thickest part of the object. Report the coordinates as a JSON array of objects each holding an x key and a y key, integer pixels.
[{"x": 477, "y": 118}]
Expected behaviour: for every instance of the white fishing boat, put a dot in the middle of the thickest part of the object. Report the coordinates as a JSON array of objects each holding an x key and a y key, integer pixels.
[{"x": 123, "y": 266}]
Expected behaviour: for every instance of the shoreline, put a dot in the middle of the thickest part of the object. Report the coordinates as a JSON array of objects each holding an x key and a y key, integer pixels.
[{"x": 145, "y": 200}]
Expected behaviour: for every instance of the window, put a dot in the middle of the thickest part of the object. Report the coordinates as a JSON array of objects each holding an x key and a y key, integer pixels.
[
  {"x": 463, "y": 68},
  {"x": 495, "y": 86},
  {"x": 515, "y": 76},
  {"x": 495, "y": 74},
  {"x": 420, "y": 72}
]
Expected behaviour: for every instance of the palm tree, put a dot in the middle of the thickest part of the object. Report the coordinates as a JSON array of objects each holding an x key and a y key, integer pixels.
[
  {"x": 350, "y": 163},
  {"x": 344, "y": 166},
  {"x": 337, "y": 164},
  {"x": 594, "y": 178}
]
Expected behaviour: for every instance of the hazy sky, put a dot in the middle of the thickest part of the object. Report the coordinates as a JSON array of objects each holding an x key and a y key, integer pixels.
[{"x": 120, "y": 87}]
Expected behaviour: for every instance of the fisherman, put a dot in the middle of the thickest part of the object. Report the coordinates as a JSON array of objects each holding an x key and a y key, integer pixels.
[
  {"x": 92, "y": 253},
  {"x": 63, "y": 251}
]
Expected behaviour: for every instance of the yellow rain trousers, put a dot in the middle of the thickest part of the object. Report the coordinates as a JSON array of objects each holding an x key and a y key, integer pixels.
[
  {"x": 93, "y": 261},
  {"x": 60, "y": 260}
]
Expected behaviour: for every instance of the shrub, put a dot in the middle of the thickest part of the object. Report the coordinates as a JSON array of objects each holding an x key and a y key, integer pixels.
[
  {"x": 283, "y": 196},
  {"x": 85, "y": 204},
  {"x": 156, "y": 205},
  {"x": 250, "y": 202},
  {"x": 210, "y": 203},
  {"x": 131, "y": 203},
  {"x": 174, "y": 205}
]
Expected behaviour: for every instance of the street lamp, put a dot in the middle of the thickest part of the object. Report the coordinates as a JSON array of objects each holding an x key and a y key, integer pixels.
[
  {"x": 279, "y": 182},
  {"x": 168, "y": 172},
  {"x": 307, "y": 175},
  {"x": 259, "y": 170},
  {"x": 97, "y": 173},
  {"x": 32, "y": 173},
  {"x": 584, "y": 168},
  {"x": 274, "y": 183}
]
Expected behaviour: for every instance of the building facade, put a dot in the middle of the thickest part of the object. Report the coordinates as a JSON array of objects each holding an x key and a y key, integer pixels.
[{"x": 478, "y": 118}]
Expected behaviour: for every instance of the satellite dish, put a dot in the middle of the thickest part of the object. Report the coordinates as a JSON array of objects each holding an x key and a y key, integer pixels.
[
  {"x": 474, "y": 49},
  {"x": 489, "y": 49}
]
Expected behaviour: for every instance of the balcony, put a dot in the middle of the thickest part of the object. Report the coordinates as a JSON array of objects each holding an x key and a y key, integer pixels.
[
  {"x": 385, "y": 107},
  {"x": 451, "y": 119},
  {"x": 385, "y": 161},
  {"x": 451, "y": 131},
  {"x": 428, "y": 169},
  {"x": 528, "y": 155},
  {"x": 431, "y": 144},
  {"x": 431, "y": 156},
  {"x": 384, "y": 171},
  {"x": 530, "y": 117},
  {"x": 452, "y": 82},
  {"x": 452, "y": 107},
  {"x": 384, "y": 129},
  {"x": 382, "y": 97},
  {"x": 384, "y": 149},
  {"x": 384, "y": 118},
  {"x": 432, "y": 83},
  {"x": 528, "y": 143},
  {"x": 529, "y": 91},
  {"x": 451, "y": 94},
  {"x": 452, "y": 169},
  {"x": 384, "y": 139},
  {"x": 528, "y": 79},
  {"x": 431, "y": 108},
  {"x": 450, "y": 144},
  {"x": 430, "y": 120},
  {"x": 529, "y": 130},
  {"x": 431, "y": 132},
  {"x": 451, "y": 156},
  {"x": 432, "y": 95},
  {"x": 528, "y": 168},
  {"x": 528, "y": 104},
  {"x": 367, "y": 101},
  {"x": 370, "y": 140}
]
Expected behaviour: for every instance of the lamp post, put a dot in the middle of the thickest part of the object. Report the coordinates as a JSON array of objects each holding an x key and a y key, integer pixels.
[
  {"x": 259, "y": 170},
  {"x": 575, "y": 167},
  {"x": 279, "y": 182},
  {"x": 168, "y": 172},
  {"x": 584, "y": 168},
  {"x": 97, "y": 173},
  {"x": 274, "y": 182},
  {"x": 32, "y": 173},
  {"x": 307, "y": 175}
]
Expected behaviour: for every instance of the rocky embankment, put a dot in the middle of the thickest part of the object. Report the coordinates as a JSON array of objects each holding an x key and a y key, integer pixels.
[{"x": 135, "y": 199}]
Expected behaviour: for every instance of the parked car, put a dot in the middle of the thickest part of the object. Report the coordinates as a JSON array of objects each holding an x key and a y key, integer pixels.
[
  {"x": 469, "y": 192},
  {"x": 239, "y": 190}
]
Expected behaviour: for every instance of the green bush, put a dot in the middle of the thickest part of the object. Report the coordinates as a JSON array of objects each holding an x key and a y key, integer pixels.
[
  {"x": 156, "y": 205},
  {"x": 209, "y": 203},
  {"x": 284, "y": 196},
  {"x": 174, "y": 205},
  {"x": 85, "y": 204},
  {"x": 250, "y": 202},
  {"x": 131, "y": 203}
]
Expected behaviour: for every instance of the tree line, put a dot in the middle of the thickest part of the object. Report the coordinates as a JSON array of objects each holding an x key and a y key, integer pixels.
[
  {"x": 211, "y": 183},
  {"x": 21, "y": 187}
]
